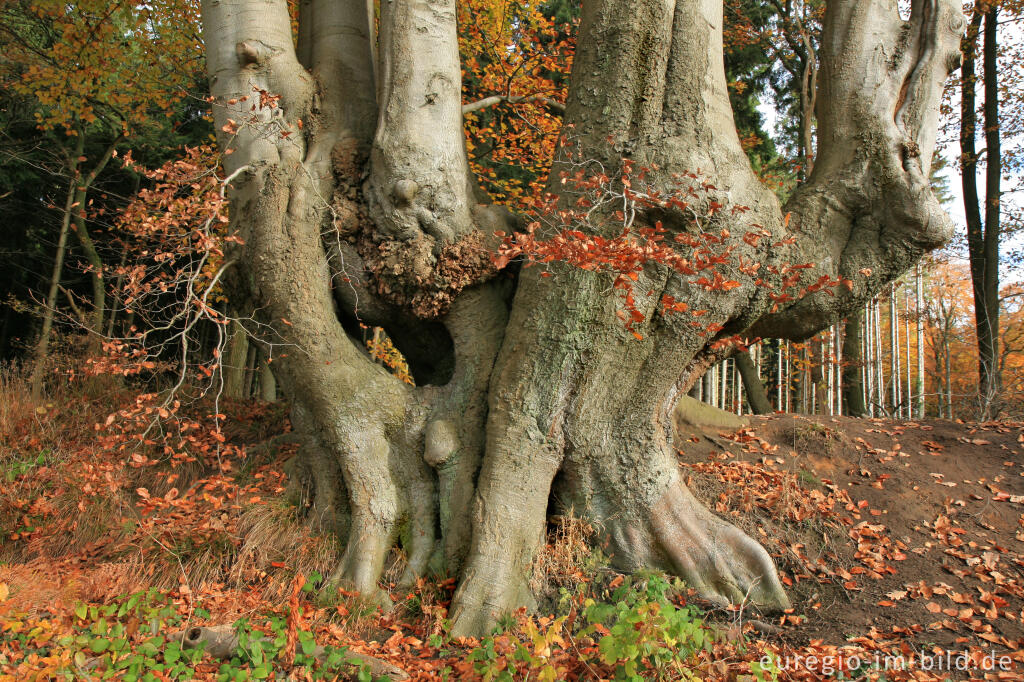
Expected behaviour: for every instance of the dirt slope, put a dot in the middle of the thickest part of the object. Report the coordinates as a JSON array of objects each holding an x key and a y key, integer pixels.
[{"x": 897, "y": 534}]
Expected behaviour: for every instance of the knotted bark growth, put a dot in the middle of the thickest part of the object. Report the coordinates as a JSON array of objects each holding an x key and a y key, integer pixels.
[{"x": 356, "y": 205}]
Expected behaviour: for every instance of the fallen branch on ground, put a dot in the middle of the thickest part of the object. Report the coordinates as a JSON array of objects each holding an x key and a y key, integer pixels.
[{"x": 221, "y": 641}]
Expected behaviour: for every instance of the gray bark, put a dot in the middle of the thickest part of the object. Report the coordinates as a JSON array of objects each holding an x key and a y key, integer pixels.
[
  {"x": 234, "y": 361},
  {"x": 50, "y": 306},
  {"x": 983, "y": 229},
  {"x": 853, "y": 368},
  {"x": 99, "y": 293},
  {"x": 919, "y": 312},
  {"x": 267, "y": 381},
  {"x": 539, "y": 399},
  {"x": 757, "y": 396}
]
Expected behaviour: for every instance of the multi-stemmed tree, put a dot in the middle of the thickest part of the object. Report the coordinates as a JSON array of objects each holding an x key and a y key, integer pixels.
[{"x": 354, "y": 199}]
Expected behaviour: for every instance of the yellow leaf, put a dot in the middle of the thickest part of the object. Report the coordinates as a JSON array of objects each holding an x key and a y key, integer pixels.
[{"x": 4, "y": 592}]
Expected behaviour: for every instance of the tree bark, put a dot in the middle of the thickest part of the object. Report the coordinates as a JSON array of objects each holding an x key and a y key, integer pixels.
[
  {"x": 267, "y": 381},
  {"x": 99, "y": 293},
  {"x": 853, "y": 367},
  {"x": 894, "y": 354},
  {"x": 993, "y": 176},
  {"x": 757, "y": 396},
  {"x": 532, "y": 397},
  {"x": 919, "y": 312},
  {"x": 50, "y": 305},
  {"x": 234, "y": 361},
  {"x": 982, "y": 226}
]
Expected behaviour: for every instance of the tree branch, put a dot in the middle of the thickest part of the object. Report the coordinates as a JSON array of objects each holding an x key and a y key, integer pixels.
[
  {"x": 867, "y": 212},
  {"x": 419, "y": 174},
  {"x": 249, "y": 49},
  {"x": 493, "y": 100},
  {"x": 221, "y": 641}
]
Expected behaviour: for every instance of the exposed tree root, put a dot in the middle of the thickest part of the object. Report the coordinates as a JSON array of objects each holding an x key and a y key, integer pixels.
[{"x": 720, "y": 561}]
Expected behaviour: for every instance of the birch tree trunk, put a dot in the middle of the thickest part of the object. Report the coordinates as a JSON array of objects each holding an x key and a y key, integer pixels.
[
  {"x": 531, "y": 396},
  {"x": 919, "y": 311}
]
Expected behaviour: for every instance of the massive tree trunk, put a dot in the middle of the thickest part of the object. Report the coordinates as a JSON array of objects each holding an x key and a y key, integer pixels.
[{"x": 532, "y": 396}]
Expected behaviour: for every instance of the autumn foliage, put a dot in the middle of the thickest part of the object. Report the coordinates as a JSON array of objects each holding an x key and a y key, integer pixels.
[{"x": 135, "y": 476}]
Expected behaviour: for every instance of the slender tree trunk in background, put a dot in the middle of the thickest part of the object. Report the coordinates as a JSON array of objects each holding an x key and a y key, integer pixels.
[
  {"x": 234, "y": 359},
  {"x": 250, "y": 371},
  {"x": 95, "y": 325},
  {"x": 919, "y": 310},
  {"x": 268, "y": 384},
  {"x": 723, "y": 379},
  {"x": 50, "y": 305},
  {"x": 788, "y": 370},
  {"x": 540, "y": 399},
  {"x": 816, "y": 367},
  {"x": 758, "y": 358},
  {"x": 940, "y": 385},
  {"x": 803, "y": 372},
  {"x": 809, "y": 377},
  {"x": 869, "y": 375},
  {"x": 839, "y": 355},
  {"x": 780, "y": 378},
  {"x": 853, "y": 365},
  {"x": 828, "y": 379},
  {"x": 737, "y": 389},
  {"x": 119, "y": 281},
  {"x": 982, "y": 226},
  {"x": 757, "y": 397},
  {"x": 947, "y": 360},
  {"x": 894, "y": 353},
  {"x": 908, "y": 375},
  {"x": 880, "y": 396},
  {"x": 115, "y": 306}
]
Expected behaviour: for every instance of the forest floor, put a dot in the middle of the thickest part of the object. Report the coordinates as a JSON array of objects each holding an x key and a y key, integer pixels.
[{"x": 895, "y": 539}]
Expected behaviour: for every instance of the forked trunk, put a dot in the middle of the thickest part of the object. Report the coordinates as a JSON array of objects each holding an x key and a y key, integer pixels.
[{"x": 533, "y": 397}]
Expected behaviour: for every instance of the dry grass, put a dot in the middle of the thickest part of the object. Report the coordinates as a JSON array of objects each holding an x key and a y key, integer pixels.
[
  {"x": 274, "y": 537},
  {"x": 16, "y": 403},
  {"x": 564, "y": 556},
  {"x": 70, "y": 511}
]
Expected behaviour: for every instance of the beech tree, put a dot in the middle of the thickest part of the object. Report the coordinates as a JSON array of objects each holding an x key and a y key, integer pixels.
[
  {"x": 355, "y": 202},
  {"x": 983, "y": 231}
]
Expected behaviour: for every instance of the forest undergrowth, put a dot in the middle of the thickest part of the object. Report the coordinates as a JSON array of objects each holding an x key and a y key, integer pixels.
[{"x": 133, "y": 531}]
